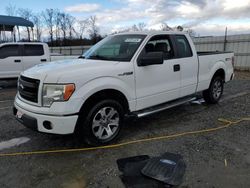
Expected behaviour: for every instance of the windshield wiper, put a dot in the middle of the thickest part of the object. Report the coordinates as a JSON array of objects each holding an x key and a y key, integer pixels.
[
  {"x": 81, "y": 57},
  {"x": 98, "y": 57}
]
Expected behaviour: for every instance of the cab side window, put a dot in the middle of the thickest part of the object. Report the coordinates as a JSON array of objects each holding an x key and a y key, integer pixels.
[
  {"x": 184, "y": 49},
  {"x": 33, "y": 50},
  {"x": 160, "y": 43},
  {"x": 9, "y": 51}
]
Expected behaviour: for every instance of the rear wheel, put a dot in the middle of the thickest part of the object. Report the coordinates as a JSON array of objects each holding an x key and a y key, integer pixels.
[
  {"x": 103, "y": 123},
  {"x": 213, "y": 94}
]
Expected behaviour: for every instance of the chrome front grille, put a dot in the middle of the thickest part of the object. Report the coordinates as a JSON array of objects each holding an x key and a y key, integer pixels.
[{"x": 28, "y": 88}]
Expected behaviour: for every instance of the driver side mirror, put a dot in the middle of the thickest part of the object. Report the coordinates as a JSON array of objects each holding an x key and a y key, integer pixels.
[{"x": 151, "y": 58}]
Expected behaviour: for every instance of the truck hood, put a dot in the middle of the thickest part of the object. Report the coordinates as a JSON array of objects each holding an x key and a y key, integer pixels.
[{"x": 52, "y": 72}]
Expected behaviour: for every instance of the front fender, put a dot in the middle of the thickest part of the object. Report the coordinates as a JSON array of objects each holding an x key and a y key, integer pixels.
[{"x": 102, "y": 83}]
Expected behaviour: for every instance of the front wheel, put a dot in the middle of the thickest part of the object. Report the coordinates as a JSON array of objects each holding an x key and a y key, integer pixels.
[
  {"x": 103, "y": 123},
  {"x": 213, "y": 94}
]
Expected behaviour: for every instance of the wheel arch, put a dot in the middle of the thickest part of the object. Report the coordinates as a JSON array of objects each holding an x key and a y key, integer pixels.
[
  {"x": 208, "y": 94},
  {"x": 105, "y": 94},
  {"x": 97, "y": 97},
  {"x": 219, "y": 72},
  {"x": 218, "y": 69}
]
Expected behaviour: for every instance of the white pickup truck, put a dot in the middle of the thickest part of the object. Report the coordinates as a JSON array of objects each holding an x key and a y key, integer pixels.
[
  {"x": 17, "y": 57},
  {"x": 129, "y": 74}
]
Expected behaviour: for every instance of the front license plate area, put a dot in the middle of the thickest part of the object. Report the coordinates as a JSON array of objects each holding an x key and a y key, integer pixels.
[{"x": 19, "y": 114}]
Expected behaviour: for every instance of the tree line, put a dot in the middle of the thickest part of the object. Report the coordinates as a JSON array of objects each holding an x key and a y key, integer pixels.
[{"x": 59, "y": 28}]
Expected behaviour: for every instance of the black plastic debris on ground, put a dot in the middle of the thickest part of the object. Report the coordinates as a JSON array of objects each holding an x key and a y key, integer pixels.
[
  {"x": 122, "y": 162},
  {"x": 168, "y": 168},
  {"x": 156, "y": 172}
]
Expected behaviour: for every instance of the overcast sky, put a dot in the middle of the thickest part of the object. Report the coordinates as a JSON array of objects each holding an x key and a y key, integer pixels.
[{"x": 206, "y": 17}]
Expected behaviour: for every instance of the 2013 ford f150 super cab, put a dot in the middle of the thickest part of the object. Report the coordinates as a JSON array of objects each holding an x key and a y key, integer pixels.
[{"x": 129, "y": 74}]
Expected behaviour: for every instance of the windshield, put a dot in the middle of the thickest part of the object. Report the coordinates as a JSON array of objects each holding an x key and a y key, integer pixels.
[{"x": 115, "y": 48}]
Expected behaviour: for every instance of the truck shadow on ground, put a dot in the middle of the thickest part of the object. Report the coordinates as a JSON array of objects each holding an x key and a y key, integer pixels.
[
  {"x": 146, "y": 127},
  {"x": 10, "y": 83}
]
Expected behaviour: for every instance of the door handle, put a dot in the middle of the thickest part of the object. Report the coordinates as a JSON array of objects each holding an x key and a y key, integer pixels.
[
  {"x": 17, "y": 61},
  {"x": 177, "y": 68},
  {"x": 43, "y": 60}
]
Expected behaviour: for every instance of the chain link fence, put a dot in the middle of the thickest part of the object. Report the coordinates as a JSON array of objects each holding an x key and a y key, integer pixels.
[
  {"x": 69, "y": 50},
  {"x": 239, "y": 44}
]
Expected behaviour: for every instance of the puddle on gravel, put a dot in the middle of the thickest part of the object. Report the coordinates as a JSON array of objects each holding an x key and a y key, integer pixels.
[
  {"x": 75, "y": 183},
  {"x": 13, "y": 142}
]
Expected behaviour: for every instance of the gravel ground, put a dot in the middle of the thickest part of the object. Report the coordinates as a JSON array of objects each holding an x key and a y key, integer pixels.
[
  {"x": 242, "y": 75},
  {"x": 204, "y": 154}
]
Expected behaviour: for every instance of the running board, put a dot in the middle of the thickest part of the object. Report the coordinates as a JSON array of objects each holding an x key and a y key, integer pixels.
[{"x": 161, "y": 107}]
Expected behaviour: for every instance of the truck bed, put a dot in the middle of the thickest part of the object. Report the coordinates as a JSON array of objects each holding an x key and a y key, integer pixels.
[{"x": 207, "y": 60}]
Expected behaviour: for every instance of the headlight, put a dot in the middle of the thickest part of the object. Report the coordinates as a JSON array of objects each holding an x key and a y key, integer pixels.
[{"x": 56, "y": 92}]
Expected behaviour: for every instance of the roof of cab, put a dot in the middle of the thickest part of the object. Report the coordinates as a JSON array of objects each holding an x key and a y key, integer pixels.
[
  {"x": 22, "y": 43},
  {"x": 151, "y": 33}
]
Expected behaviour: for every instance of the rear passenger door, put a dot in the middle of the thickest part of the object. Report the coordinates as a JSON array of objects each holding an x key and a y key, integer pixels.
[
  {"x": 188, "y": 65},
  {"x": 33, "y": 54},
  {"x": 10, "y": 61}
]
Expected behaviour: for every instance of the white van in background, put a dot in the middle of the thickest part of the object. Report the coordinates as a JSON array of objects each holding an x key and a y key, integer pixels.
[{"x": 17, "y": 57}]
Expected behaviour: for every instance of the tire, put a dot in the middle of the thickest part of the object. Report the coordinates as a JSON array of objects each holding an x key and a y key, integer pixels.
[
  {"x": 102, "y": 124},
  {"x": 213, "y": 94}
]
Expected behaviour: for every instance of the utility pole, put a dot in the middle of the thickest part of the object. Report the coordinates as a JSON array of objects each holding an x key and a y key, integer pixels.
[
  {"x": 4, "y": 34},
  {"x": 19, "y": 37},
  {"x": 225, "y": 40},
  {"x": 14, "y": 33}
]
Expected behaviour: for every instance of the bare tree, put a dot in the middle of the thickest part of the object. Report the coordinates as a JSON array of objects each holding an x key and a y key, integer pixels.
[
  {"x": 141, "y": 26},
  {"x": 134, "y": 28},
  {"x": 59, "y": 24},
  {"x": 26, "y": 14},
  {"x": 165, "y": 27},
  {"x": 57, "y": 21},
  {"x": 179, "y": 28},
  {"x": 63, "y": 25},
  {"x": 38, "y": 26},
  {"x": 191, "y": 32},
  {"x": 93, "y": 29},
  {"x": 122, "y": 30},
  {"x": 48, "y": 16},
  {"x": 70, "y": 23},
  {"x": 82, "y": 26},
  {"x": 11, "y": 10}
]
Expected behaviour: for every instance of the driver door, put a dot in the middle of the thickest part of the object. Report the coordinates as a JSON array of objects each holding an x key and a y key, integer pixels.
[{"x": 156, "y": 84}]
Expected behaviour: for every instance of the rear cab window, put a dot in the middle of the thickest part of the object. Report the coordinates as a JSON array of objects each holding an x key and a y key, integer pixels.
[
  {"x": 33, "y": 50},
  {"x": 183, "y": 47},
  {"x": 9, "y": 51}
]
